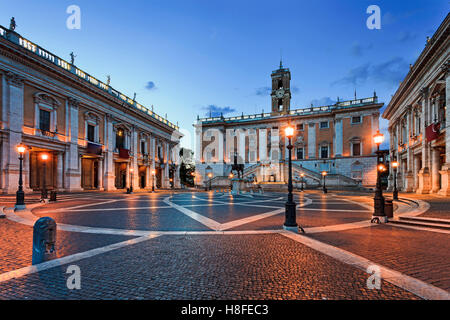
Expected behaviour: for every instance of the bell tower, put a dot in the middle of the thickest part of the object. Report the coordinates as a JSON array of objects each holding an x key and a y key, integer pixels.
[{"x": 281, "y": 90}]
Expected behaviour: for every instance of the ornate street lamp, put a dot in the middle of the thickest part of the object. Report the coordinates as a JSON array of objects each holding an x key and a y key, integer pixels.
[
  {"x": 324, "y": 175},
  {"x": 379, "y": 214},
  {"x": 20, "y": 194},
  {"x": 153, "y": 180},
  {"x": 290, "y": 222},
  {"x": 395, "y": 192},
  {"x": 302, "y": 188},
  {"x": 44, "y": 194},
  {"x": 210, "y": 179}
]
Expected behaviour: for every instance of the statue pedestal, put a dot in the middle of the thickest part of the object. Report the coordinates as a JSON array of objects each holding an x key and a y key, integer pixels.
[{"x": 238, "y": 186}]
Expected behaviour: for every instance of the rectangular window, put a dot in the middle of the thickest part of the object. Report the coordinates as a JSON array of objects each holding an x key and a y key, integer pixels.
[
  {"x": 120, "y": 139},
  {"x": 299, "y": 153},
  {"x": 143, "y": 147},
  {"x": 356, "y": 120},
  {"x": 356, "y": 149},
  {"x": 44, "y": 120},
  {"x": 324, "y": 152},
  {"x": 324, "y": 125},
  {"x": 91, "y": 133},
  {"x": 300, "y": 127}
]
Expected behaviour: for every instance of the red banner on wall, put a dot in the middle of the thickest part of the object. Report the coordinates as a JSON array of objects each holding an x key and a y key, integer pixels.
[
  {"x": 124, "y": 153},
  {"x": 432, "y": 131}
]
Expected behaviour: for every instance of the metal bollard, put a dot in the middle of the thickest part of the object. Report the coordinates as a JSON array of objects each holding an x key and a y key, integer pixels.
[
  {"x": 44, "y": 240},
  {"x": 389, "y": 208},
  {"x": 53, "y": 196}
]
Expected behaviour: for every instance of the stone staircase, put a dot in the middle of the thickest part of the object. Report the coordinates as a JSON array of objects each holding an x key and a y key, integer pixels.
[{"x": 423, "y": 222}]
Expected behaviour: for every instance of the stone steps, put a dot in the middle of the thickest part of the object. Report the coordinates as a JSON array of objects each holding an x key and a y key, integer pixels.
[{"x": 432, "y": 223}]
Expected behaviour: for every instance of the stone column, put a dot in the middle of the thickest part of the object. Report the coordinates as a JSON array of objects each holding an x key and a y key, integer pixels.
[
  {"x": 73, "y": 173},
  {"x": 13, "y": 120},
  {"x": 241, "y": 141},
  {"x": 339, "y": 142},
  {"x": 26, "y": 172},
  {"x": 424, "y": 172},
  {"x": 409, "y": 178},
  {"x": 134, "y": 164},
  {"x": 59, "y": 171},
  {"x": 198, "y": 143},
  {"x": 445, "y": 172},
  {"x": 435, "y": 167},
  {"x": 166, "y": 182},
  {"x": 311, "y": 140},
  {"x": 100, "y": 175},
  {"x": 416, "y": 172},
  {"x": 262, "y": 145},
  {"x": 109, "y": 175},
  {"x": 153, "y": 164}
]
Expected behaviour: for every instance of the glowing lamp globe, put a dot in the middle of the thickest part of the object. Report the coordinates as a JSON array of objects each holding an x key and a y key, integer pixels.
[
  {"x": 289, "y": 132},
  {"x": 378, "y": 138}
]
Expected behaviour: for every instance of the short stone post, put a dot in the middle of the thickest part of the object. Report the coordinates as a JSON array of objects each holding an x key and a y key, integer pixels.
[{"x": 44, "y": 240}]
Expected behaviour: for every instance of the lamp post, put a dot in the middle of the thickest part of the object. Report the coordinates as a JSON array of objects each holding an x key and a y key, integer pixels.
[
  {"x": 395, "y": 192},
  {"x": 378, "y": 199},
  {"x": 131, "y": 180},
  {"x": 302, "y": 188},
  {"x": 290, "y": 222},
  {"x": 20, "y": 195},
  {"x": 324, "y": 175},
  {"x": 44, "y": 194},
  {"x": 210, "y": 179},
  {"x": 153, "y": 180}
]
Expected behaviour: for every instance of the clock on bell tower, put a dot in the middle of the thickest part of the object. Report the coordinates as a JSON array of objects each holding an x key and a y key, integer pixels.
[{"x": 281, "y": 90}]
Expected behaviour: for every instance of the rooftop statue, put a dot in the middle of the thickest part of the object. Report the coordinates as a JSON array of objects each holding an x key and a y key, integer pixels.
[
  {"x": 72, "y": 58},
  {"x": 12, "y": 24}
]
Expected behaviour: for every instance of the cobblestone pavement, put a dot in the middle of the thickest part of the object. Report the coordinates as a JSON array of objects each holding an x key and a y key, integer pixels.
[
  {"x": 422, "y": 255},
  {"x": 16, "y": 242},
  {"x": 205, "y": 267},
  {"x": 241, "y": 265}
]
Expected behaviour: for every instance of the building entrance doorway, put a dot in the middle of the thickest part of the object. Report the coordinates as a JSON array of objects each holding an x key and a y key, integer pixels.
[
  {"x": 121, "y": 175},
  {"x": 142, "y": 177},
  {"x": 89, "y": 174}
]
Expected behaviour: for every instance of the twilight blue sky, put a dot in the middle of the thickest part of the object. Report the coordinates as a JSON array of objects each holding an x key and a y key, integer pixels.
[{"x": 188, "y": 57}]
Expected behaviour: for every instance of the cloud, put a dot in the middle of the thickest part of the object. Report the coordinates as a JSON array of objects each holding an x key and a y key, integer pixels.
[
  {"x": 358, "y": 49},
  {"x": 263, "y": 91},
  {"x": 406, "y": 36},
  {"x": 325, "y": 101},
  {"x": 390, "y": 72},
  {"x": 355, "y": 76},
  {"x": 216, "y": 111},
  {"x": 150, "y": 85}
]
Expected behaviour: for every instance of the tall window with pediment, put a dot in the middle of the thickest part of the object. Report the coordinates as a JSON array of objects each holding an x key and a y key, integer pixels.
[
  {"x": 91, "y": 126},
  {"x": 300, "y": 153},
  {"x": 120, "y": 138},
  {"x": 46, "y": 108}
]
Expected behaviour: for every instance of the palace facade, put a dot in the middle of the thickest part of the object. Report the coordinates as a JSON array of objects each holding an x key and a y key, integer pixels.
[
  {"x": 419, "y": 120},
  {"x": 337, "y": 139},
  {"x": 95, "y": 137}
]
